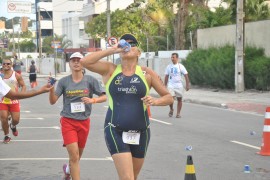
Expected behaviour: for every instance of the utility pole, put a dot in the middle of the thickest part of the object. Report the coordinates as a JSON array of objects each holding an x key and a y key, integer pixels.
[
  {"x": 239, "y": 47},
  {"x": 108, "y": 19},
  {"x": 13, "y": 34},
  {"x": 39, "y": 40},
  {"x": 108, "y": 25}
]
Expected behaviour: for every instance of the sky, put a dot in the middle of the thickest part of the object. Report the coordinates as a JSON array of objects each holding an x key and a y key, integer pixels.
[{"x": 4, "y": 13}]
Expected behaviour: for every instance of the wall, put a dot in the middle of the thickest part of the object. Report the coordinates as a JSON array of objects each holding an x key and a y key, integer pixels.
[
  {"x": 160, "y": 62},
  {"x": 45, "y": 66},
  {"x": 256, "y": 34}
]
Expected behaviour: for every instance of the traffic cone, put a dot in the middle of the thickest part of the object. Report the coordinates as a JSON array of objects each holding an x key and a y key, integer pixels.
[
  {"x": 149, "y": 111},
  {"x": 265, "y": 148},
  {"x": 190, "y": 170}
]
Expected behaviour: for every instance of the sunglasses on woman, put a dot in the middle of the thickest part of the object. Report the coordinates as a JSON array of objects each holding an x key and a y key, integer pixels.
[{"x": 132, "y": 44}]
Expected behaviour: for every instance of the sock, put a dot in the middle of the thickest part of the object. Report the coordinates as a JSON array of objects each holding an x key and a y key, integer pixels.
[
  {"x": 11, "y": 125},
  {"x": 7, "y": 135}
]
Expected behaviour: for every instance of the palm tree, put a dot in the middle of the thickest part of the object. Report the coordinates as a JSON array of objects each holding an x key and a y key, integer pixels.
[
  {"x": 256, "y": 10},
  {"x": 64, "y": 41}
]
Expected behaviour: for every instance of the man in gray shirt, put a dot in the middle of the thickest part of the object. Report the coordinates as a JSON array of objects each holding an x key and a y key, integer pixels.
[{"x": 17, "y": 65}]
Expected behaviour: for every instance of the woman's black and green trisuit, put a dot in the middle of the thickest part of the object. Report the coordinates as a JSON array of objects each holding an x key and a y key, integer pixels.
[{"x": 127, "y": 112}]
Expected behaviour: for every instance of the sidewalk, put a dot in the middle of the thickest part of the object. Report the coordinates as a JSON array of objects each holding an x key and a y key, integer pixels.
[{"x": 247, "y": 101}]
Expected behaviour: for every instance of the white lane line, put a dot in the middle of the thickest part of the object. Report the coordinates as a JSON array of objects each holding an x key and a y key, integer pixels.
[
  {"x": 54, "y": 159},
  {"x": 36, "y": 140},
  {"x": 32, "y": 118},
  {"x": 53, "y": 127},
  {"x": 26, "y": 111},
  {"x": 245, "y": 144},
  {"x": 160, "y": 121}
]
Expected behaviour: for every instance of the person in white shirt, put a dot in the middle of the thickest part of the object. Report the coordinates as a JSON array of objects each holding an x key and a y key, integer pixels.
[{"x": 173, "y": 80}]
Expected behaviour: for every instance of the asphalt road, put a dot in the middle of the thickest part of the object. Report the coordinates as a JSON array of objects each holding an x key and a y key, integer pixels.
[{"x": 221, "y": 145}]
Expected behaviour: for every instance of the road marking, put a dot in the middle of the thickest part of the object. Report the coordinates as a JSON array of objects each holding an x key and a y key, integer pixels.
[
  {"x": 26, "y": 111},
  {"x": 54, "y": 159},
  {"x": 160, "y": 121},
  {"x": 32, "y": 118},
  {"x": 41, "y": 140},
  {"x": 53, "y": 127},
  {"x": 248, "y": 145}
]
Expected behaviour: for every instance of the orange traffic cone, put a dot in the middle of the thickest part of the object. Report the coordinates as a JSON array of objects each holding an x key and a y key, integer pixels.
[
  {"x": 149, "y": 111},
  {"x": 265, "y": 148},
  {"x": 190, "y": 170}
]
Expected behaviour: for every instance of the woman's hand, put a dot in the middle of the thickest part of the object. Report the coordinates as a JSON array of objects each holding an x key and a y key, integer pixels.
[
  {"x": 149, "y": 100},
  {"x": 87, "y": 100}
]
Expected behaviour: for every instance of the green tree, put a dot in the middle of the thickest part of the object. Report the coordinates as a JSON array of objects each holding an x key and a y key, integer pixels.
[
  {"x": 46, "y": 45},
  {"x": 27, "y": 34},
  {"x": 256, "y": 10},
  {"x": 27, "y": 46},
  {"x": 122, "y": 21}
]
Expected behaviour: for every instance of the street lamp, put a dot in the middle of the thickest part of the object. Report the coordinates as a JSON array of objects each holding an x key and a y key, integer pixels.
[{"x": 54, "y": 45}]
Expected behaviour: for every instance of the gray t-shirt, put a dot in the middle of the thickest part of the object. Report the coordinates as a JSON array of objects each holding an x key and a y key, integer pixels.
[
  {"x": 17, "y": 65},
  {"x": 73, "y": 92}
]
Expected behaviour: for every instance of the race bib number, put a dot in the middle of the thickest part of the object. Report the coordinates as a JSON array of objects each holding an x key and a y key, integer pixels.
[
  {"x": 77, "y": 107},
  {"x": 131, "y": 137}
]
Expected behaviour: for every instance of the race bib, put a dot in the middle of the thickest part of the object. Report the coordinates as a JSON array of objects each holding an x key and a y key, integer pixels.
[
  {"x": 6, "y": 100},
  {"x": 131, "y": 137},
  {"x": 77, "y": 107}
]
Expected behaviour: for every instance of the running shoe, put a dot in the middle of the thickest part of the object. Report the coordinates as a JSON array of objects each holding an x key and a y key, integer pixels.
[
  {"x": 66, "y": 175},
  {"x": 14, "y": 130},
  {"x": 6, "y": 139}
]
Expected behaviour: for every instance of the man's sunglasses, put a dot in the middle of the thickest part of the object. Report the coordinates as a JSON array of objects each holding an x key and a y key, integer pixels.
[{"x": 6, "y": 63}]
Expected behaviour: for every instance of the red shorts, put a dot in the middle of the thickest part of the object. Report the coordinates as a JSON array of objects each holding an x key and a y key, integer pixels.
[
  {"x": 19, "y": 72},
  {"x": 75, "y": 131},
  {"x": 10, "y": 107}
]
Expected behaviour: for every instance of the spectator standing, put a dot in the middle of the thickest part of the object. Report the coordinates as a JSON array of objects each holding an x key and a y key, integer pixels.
[
  {"x": 17, "y": 64},
  {"x": 174, "y": 81}
]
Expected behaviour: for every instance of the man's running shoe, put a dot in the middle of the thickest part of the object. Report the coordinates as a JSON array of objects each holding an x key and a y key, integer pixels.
[
  {"x": 14, "y": 130},
  {"x": 66, "y": 174},
  {"x": 6, "y": 139}
]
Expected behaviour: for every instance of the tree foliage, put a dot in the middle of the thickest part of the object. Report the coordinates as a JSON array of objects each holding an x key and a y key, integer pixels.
[
  {"x": 157, "y": 21},
  {"x": 27, "y": 46},
  {"x": 46, "y": 44},
  {"x": 122, "y": 21}
]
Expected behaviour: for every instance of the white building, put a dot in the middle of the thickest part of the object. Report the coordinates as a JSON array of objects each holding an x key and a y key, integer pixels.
[
  {"x": 51, "y": 13},
  {"x": 96, "y": 7},
  {"x": 73, "y": 28}
]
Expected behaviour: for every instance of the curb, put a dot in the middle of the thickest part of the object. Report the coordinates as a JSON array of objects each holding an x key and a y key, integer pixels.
[{"x": 208, "y": 103}]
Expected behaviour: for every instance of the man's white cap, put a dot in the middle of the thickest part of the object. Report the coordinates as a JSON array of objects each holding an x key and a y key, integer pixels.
[{"x": 76, "y": 55}]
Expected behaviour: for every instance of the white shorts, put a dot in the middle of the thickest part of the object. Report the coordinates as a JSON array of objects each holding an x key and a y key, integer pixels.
[{"x": 176, "y": 92}]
